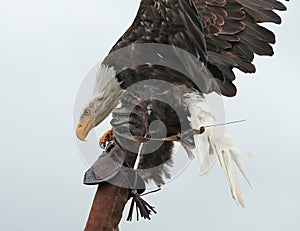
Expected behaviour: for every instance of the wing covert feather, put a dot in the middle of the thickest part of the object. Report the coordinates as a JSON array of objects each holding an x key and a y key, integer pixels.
[{"x": 233, "y": 34}]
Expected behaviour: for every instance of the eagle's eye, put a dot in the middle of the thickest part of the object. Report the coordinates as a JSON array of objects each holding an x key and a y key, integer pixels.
[{"x": 87, "y": 112}]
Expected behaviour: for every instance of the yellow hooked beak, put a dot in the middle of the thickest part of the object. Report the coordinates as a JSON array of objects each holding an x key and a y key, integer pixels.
[{"x": 84, "y": 127}]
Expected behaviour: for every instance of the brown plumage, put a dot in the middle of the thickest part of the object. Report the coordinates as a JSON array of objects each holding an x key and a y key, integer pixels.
[
  {"x": 133, "y": 119},
  {"x": 225, "y": 34},
  {"x": 233, "y": 35}
]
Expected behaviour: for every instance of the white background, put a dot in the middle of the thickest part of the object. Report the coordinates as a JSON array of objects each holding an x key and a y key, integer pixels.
[{"x": 46, "y": 49}]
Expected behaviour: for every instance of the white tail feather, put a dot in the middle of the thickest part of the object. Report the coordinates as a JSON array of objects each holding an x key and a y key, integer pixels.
[{"x": 214, "y": 140}]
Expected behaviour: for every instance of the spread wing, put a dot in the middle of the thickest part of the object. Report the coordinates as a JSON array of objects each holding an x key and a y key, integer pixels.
[
  {"x": 233, "y": 35},
  {"x": 223, "y": 34}
]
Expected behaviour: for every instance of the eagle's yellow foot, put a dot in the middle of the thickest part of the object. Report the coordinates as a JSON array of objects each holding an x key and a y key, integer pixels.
[{"x": 106, "y": 137}]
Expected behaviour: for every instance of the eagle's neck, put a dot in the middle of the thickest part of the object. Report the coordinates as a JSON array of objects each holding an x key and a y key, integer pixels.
[
  {"x": 107, "y": 92},
  {"x": 106, "y": 81}
]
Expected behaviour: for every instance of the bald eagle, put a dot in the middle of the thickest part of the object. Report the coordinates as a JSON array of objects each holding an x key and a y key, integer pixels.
[{"x": 215, "y": 36}]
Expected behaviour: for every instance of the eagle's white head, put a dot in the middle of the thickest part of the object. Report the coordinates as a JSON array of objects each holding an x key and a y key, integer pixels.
[{"x": 106, "y": 95}]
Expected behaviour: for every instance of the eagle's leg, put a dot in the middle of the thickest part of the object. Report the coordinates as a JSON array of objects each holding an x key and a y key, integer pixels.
[{"x": 106, "y": 137}]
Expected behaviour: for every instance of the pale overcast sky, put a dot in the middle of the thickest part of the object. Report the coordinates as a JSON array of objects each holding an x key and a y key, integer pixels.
[{"x": 47, "y": 48}]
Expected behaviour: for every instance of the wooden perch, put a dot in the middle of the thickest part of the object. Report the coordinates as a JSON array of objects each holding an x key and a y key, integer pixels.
[
  {"x": 109, "y": 201},
  {"x": 107, "y": 208}
]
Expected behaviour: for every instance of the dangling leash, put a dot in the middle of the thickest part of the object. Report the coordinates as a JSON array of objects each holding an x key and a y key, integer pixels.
[{"x": 136, "y": 187}]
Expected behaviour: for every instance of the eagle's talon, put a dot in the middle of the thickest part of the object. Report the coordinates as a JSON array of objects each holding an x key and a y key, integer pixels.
[
  {"x": 106, "y": 137},
  {"x": 102, "y": 145}
]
